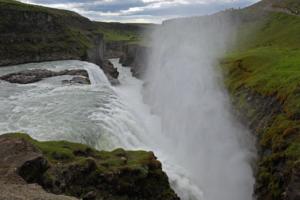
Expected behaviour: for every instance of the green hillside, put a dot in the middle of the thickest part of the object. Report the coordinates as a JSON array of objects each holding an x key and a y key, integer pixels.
[
  {"x": 30, "y": 33},
  {"x": 123, "y": 32},
  {"x": 111, "y": 31},
  {"x": 265, "y": 66}
]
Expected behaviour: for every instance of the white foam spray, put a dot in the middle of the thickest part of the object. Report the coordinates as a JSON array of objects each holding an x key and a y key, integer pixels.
[{"x": 184, "y": 88}]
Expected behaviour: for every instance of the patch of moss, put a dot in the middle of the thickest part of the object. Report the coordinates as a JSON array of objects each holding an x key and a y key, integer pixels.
[
  {"x": 76, "y": 169},
  {"x": 265, "y": 61},
  {"x": 63, "y": 151}
]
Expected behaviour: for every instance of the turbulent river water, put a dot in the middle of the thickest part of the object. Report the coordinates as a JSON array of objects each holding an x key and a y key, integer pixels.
[
  {"x": 105, "y": 117},
  {"x": 99, "y": 115}
]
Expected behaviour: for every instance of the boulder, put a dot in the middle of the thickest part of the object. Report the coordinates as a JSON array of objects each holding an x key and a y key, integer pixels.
[
  {"x": 17, "y": 155},
  {"x": 61, "y": 167},
  {"x": 35, "y": 75},
  {"x": 77, "y": 80}
]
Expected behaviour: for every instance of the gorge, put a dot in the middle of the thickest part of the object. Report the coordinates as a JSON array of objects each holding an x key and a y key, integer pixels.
[{"x": 206, "y": 108}]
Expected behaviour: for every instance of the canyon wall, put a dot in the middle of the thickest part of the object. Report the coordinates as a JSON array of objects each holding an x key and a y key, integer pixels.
[{"x": 35, "y": 34}]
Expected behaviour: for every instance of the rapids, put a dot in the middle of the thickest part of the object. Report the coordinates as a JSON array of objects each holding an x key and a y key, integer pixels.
[{"x": 99, "y": 115}]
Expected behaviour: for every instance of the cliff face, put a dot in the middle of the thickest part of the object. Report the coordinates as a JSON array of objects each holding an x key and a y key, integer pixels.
[
  {"x": 35, "y": 34},
  {"x": 79, "y": 171},
  {"x": 115, "y": 49},
  {"x": 262, "y": 74},
  {"x": 135, "y": 56}
]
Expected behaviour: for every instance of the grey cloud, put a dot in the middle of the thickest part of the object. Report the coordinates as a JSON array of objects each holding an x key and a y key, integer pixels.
[{"x": 139, "y": 10}]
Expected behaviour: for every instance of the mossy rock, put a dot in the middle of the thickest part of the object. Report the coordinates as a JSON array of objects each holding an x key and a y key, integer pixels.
[{"x": 77, "y": 170}]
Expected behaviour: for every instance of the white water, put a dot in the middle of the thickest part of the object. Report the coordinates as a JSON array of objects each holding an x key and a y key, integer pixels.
[
  {"x": 184, "y": 87},
  {"x": 99, "y": 115},
  {"x": 107, "y": 117}
]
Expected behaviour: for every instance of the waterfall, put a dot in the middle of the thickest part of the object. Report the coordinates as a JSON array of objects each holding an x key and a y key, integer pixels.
[
  {"x": 184, "y": 87},
  {"x": 96, "y": 75},
  {"x": 193, "y": 135}
]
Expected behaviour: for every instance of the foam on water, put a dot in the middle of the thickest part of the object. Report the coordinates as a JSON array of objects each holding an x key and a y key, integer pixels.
[
  {"x": 49, "y": 110},
  {"x": 99, "y": 115}
]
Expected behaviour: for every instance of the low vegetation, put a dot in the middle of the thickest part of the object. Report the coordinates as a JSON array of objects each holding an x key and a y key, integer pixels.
[
  {"x": 78, "y": 170},
  {"x": 265, "y": 64}
]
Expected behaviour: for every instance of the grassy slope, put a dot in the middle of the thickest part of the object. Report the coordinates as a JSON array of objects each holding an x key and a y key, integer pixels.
[
  {"x": 267, "y": 62},
  {"x": 71, "y": 33},
  {"x": 12, "y": 4},
  {"x": 122, "y": 32},
  {"x": 35, "y": 37}
]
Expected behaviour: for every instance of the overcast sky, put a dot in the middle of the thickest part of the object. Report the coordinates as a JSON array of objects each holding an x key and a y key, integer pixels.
[{"x": 150, "y": 11}]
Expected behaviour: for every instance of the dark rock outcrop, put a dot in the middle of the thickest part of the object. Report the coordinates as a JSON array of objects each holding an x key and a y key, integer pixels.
[
  {"x": 111, "y": 72},
  {"x": 277, "y": 176},
  {"x": 77, "y": 80},
  {"x": 78, "y": 170},
  {"x": 32, "y": 76},
  {"x": 114, "y": 49},
  {"x": 135, "y": 56},
  {"x": 34, "y": 34},
  {"x": 14, "y": 154}
]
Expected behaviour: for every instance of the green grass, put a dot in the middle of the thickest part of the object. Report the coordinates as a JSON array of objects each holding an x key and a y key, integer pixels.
[
  {"x": 65, "y": 152},
  {"x": 117, "y": 35},
  {"x": 118, "y": 174},
  {"x": 268, "y": 70},
  {"x": 124, "y": 32},
  {"x": 266, "y": 61},
  {"x": 269, "y": 61},
  {"x": 121, "y": 32},
  {"x": 111, "y": 31}
]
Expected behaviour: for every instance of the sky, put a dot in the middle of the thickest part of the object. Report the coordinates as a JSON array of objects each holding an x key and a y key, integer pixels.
[{"x": 142, "y": 11}]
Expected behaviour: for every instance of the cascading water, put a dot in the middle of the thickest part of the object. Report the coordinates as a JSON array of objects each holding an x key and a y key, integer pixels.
[
  {"x": 183, "y": 88},
  {"x": 204, "y": 152},
  {"x": 49, "y": 110},
  {"x": 97, "y": 114}
]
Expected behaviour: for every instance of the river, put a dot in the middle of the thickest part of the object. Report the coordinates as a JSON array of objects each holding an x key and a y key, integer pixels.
[{"x": 99, "y": 115}]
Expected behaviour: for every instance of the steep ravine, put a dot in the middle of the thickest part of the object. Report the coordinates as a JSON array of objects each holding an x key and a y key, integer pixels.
[
  {"x": 277, "y": 169},
  {"x": 262, "y": 76}
]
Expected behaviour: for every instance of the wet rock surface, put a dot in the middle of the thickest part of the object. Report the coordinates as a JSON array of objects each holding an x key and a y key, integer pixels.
[
  {"x": 135, "y": 56},
  {"x": 77, "y": 170},
  {"x": 77, "y": 80},
  {"x": 111, "y": 72},
  {"x": 14, "y": 154},
  {"x": 32, "y": 76},
  {"x": 276, "y": 172}
]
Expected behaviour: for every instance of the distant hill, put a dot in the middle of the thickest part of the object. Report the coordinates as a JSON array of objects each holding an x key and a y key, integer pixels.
[
  {"x": 130, "y": 32},
  {"x": 30, "y": 33},
  {"x": 33, "y": 33},
  {"x": 292, "y": 6}
]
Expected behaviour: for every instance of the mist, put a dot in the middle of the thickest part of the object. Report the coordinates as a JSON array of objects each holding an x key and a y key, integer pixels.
[{"x": 184, "y": 87}]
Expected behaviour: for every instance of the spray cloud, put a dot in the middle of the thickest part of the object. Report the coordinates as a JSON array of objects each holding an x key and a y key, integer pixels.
[{"x": 184, "y": 87}]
